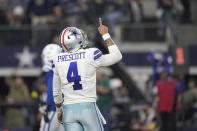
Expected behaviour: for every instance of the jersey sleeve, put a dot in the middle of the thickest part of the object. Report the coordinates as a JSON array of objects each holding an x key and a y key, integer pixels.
[
  {"x": 47, "y": 66},
  {"x": 108, "y": 59},
  {"x": 49, "y": 83},
  {"x": 57, "y": 94}
]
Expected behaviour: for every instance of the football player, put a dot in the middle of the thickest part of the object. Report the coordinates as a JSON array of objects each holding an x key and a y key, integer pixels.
[
  {"x": 49, "y": 120},
  {"x": 75, "y": 77}
]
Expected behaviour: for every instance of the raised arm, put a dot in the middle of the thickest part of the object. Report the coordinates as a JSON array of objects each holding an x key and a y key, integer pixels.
[{"x": 114, "y": 53}]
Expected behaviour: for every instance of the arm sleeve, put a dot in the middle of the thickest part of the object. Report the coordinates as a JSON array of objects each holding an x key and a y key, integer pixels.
[
  {"x": 47, "y": 66},
  {"x": 57, "y": 93},
  {"x": 108, "y": 59},
  {"x": 49, "y": 83}
]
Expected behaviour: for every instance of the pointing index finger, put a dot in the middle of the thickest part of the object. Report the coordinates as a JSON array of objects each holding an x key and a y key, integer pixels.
[{"x": 100, "y": 21}]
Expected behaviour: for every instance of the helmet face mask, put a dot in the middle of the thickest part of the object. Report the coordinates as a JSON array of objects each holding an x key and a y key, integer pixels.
[
  {"x": 72, "y": 38},
  {"x": 85, "y": 39}
]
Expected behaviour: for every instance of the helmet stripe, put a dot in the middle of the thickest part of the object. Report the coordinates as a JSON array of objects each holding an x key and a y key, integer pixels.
[{"x": 62, "y": 38}]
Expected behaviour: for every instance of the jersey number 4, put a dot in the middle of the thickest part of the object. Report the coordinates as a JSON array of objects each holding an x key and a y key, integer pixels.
[{"x": 73, "y": 76}]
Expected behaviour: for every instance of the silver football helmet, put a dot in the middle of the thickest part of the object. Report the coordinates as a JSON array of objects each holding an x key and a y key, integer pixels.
[
  {"x": 72, "y": 38},
  {"x": 49, "y": 51}
]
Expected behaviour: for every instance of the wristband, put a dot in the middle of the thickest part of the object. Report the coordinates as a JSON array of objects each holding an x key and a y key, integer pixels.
[
  {"x": 106, "y": 36},
  {"x": 59, "y": 109}
]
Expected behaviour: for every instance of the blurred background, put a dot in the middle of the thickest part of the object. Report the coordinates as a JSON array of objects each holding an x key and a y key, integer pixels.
[{"x": 159, "y": 45}]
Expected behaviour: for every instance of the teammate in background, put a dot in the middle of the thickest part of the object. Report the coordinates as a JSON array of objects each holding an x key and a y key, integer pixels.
[
  {"x": 75, "y": 77},
  {"x": 49, "y": 120}
]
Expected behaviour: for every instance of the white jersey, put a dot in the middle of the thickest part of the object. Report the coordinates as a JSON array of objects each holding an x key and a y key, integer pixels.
[{"x": 75, "y": 73}]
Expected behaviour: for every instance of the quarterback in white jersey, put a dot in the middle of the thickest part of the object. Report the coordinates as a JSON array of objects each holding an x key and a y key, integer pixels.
[{"x": 75, "y": 77}]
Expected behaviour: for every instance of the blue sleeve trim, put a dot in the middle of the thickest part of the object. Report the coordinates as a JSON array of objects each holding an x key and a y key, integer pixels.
[
  {"x": 96, "y": 52},
  {"x": 97, "y": 56}
]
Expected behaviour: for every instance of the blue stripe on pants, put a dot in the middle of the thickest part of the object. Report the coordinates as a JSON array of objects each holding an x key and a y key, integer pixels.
[{"x": 98, "y": 118}]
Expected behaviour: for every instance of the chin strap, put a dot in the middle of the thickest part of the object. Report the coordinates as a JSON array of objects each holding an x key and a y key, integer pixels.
[{"x": 74, "y": 50}]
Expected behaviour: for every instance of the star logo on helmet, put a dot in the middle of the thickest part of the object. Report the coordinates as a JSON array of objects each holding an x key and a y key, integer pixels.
[{"x": 74, "y": 32}]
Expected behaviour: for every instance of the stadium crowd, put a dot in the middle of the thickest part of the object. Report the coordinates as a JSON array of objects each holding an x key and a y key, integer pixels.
[
  {"x": 25, "y": 20},
  {"x": 23, "y": 104}
]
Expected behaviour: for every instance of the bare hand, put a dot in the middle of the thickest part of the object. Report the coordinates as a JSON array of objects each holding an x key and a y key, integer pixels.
[
  {"x": 59, "y": 117},
  {"x": 102, "y": 28}
]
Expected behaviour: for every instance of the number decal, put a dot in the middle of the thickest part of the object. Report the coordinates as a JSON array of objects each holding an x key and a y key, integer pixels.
[{"x": 73, "y": 76}]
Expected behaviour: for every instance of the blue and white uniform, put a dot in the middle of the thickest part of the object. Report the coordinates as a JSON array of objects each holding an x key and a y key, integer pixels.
[
  {"x": 52, "y": 124},
  {"x": 75, "y": 77}
]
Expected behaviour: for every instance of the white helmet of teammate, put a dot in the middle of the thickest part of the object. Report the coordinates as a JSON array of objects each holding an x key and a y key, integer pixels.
[
  {"x": 49, "y": 51},
  {"x": 72, "y": 38}
]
